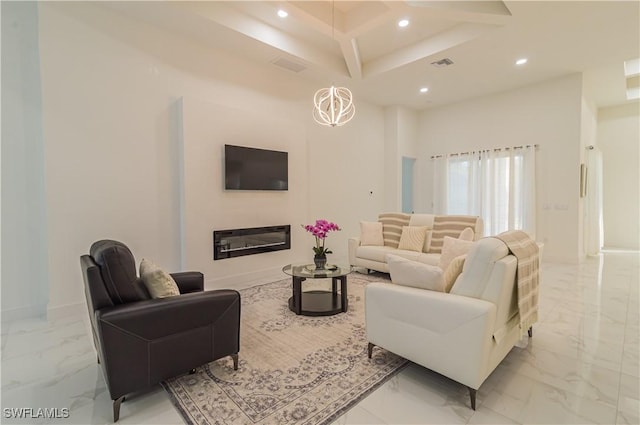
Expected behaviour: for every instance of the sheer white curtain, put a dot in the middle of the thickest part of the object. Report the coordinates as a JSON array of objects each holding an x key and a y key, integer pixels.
[
  {"x": 497, "y": 185},
  {"x": 593, "y": 224},
  {"x": 440, "y": 184}
]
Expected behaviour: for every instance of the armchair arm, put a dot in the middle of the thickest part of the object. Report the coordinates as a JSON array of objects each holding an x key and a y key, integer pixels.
[
  {"x": 157, "y": 318},
  {"x": 435, "y": 311},
  {"x": 450, "y": 334},
  {"x": 189, "y": 281},
  {"x": 354, "y": 243},
  {"x": 145, "y": 342}
]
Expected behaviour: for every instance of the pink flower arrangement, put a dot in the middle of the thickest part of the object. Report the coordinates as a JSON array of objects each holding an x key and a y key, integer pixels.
[{"x": 320, "y": 231}]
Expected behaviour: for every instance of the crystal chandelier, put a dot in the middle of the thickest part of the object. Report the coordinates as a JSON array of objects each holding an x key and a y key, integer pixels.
[{"x": 333, "y": 106}]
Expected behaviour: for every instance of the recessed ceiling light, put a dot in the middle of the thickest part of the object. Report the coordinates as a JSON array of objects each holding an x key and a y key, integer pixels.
[
  {"x": 521, "y": 61},
  {"x": 424, "y": 89},
  {"x": 403, "y": 23},
  {"x": 282, "y": 13}
]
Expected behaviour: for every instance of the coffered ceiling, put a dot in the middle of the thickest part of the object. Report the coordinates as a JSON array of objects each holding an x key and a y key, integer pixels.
[{"x": 359, "y": 44}]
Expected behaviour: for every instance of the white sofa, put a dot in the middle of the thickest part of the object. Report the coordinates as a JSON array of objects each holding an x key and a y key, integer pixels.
[
  {"x": 463, "y": 334},
  {"x": 374, "y": 257}
]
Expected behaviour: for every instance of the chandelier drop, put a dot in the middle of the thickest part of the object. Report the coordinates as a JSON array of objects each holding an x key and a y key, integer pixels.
[{"x": 333, "y": 106}]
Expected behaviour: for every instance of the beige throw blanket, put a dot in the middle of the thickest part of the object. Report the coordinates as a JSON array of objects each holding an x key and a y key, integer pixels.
[{"x": 525, "y": 250}]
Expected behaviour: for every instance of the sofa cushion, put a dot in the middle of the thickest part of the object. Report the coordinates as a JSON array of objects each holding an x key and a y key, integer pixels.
[
  {"x": 159, "y": 283},
  {"x": 371, "y": 233},
  {"x": 412, "y": 238},
  {"x": 412, "y": 273},
  {"x": 425, "y": 220},
  {"x": 430, "y": 259},
  {"x": 451, "y": 249},
  {"x": 392, "y": 227},
  {"x": 478, "y": 266},
  {"x": 449, "y": 225},
  {"x": 374, "y": 253}
]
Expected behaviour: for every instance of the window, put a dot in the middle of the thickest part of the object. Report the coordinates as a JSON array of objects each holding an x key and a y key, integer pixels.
[{"x": 497, "y": 185}]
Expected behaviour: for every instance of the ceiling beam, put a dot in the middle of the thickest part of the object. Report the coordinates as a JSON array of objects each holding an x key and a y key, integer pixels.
[
  {"x": 226, "y": 16},
  {"x": 445, "y": 40},
  {"x": 351, "y": 55}
]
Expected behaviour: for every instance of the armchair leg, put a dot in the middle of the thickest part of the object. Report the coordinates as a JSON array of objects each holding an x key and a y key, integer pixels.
[
  {"x": 235, "y": 361},
  {"x": 116, "y": 408},
  {"x": 472, "y": 395},
  {"x": 530, "y": 331},
  {"x": 370, "y": 350}
]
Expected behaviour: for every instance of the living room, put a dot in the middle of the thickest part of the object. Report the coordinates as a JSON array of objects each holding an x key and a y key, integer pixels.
[{"x": 118, "y": 126}]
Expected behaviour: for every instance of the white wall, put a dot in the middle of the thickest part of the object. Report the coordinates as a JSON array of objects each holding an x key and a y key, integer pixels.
[
  {"x": 112, "y": 129},
  {"x": 400, "y": 139},
  {"x": 546, "y": 114},
  {"x": 619, "y": 140},
  {"x": 207, "y": 128},
  {"x": 24, "y": 251},
  {"x": 346, "y": 174}
]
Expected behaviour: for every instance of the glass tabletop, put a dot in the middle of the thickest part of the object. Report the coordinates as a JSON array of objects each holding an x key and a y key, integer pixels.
[{"x": 310, "y": 270}]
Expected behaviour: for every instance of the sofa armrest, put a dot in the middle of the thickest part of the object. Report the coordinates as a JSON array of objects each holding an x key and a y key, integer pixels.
[
  {"x": 146, "y": 342},
  {"x": 439, "y": 312},
  {"x": 450, "y": 334},
  {"x": 189, "y": 281},
  {"x": 354, "y": 243},
  {"x": 158, "y": 318}
]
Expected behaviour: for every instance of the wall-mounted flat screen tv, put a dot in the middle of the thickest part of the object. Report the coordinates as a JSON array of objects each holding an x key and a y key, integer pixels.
[{"x": 255, "y": 169}]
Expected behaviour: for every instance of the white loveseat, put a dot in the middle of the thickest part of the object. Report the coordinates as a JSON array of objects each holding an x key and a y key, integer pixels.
[
  {"x": 373, "y": 257},
  {"x": 463, "y": 334}
]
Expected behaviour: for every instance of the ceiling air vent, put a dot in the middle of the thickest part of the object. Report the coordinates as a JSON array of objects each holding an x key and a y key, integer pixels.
[
  {"x": 442, "y": 63},
  {"x": 289, "y": 64}
]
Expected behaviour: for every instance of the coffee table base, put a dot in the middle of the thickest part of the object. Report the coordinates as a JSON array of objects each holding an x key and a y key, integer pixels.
[{"x": 319, "y": 303}]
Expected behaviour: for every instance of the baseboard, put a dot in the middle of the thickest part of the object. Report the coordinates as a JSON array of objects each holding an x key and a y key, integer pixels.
[
  {"x": 67, "y": 310},
  {"x": 24, "y": 313}
]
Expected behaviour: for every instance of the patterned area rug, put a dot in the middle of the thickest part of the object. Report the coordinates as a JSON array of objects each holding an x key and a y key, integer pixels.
[{"x": 292, "y": 369}]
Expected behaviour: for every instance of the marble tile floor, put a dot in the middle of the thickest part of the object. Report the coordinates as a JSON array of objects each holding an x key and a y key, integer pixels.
[{"x": 581, "y": 367}]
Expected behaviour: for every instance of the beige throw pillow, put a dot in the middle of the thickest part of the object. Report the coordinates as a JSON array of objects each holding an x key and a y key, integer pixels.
[
  {"x": 159, "y": 283},
  {"x": 453, "y": 271},
  {"x": 371, "y": 233},
  {"x": 467, "y": 234},
  {"x": 452, "y": 248},
  {"x": 412, "y": 273},
  {"x": 427, "y": 241},
  {"x": 412, "y": 238}
]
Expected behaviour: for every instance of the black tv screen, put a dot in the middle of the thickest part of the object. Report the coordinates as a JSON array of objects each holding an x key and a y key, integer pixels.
[{"x": 255, "y": 169}]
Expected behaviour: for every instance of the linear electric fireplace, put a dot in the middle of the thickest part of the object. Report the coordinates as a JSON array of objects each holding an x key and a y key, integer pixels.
[{"x": 255, "y": 240}]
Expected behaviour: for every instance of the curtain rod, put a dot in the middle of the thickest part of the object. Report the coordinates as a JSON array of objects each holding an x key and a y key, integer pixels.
[{"x": 484, "y": 150}]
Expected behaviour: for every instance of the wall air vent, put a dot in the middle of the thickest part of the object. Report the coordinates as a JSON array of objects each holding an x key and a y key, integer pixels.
[
  {"x": 289, "y": 64},
  {"x": 442, "y": 63}
]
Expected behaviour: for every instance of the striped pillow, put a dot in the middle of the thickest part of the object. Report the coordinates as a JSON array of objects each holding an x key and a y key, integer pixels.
[
  {"x": 392, "y": 224},
  {"x": 449, "y": 225}
]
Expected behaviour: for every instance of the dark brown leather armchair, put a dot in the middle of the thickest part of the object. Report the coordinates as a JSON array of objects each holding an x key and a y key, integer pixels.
[{"x": 142, "y": 341}]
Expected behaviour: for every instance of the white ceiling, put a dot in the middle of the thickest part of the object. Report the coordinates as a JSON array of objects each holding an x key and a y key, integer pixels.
[{"x": 359, "y": 45}]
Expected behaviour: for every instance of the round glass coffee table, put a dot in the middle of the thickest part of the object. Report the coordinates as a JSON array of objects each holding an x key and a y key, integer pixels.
[{"x": 316, "y": 302}]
